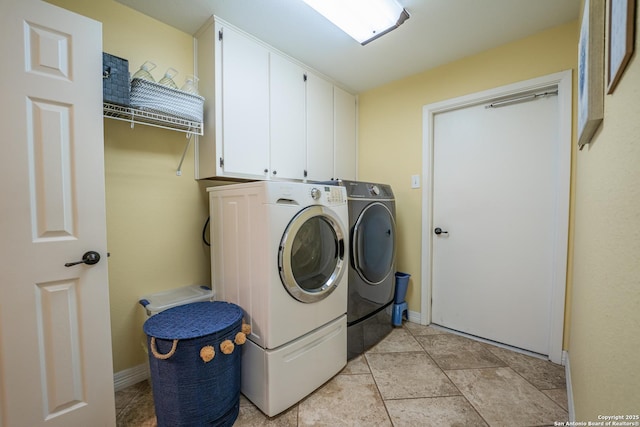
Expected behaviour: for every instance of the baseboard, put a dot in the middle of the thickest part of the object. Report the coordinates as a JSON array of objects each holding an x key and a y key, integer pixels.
[
  {"x": 130, "y": 376},
  {"x": 567, "y": 374},
  {"x": 414, "y": 316}
]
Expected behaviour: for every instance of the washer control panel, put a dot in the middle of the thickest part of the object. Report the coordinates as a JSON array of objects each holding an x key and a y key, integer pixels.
[{"x": 332, "y": 194}]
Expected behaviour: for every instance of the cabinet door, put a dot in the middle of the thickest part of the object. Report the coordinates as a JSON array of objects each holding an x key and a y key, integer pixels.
[
  {"x": 345, "y": 134},
  {"x": 245, "y": 105},
  {"x": 288, "y": 151},
  {"x": 319, "y": 128}
]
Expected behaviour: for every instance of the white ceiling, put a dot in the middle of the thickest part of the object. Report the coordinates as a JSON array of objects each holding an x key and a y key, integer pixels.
[{"x": 438, "y": 32}]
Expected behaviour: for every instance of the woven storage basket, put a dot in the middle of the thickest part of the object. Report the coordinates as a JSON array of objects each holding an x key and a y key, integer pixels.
[
  {"x": 188, "y": 389},
  {"x": 157, "y": 98},
  {"x": 115, "y": 79}
]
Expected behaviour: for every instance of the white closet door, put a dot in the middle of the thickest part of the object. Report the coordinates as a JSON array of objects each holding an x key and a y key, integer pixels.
[{"x": 495, "y": 195}]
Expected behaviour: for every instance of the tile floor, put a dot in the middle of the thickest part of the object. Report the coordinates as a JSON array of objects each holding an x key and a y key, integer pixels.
[{"x": 416, "y": 376}]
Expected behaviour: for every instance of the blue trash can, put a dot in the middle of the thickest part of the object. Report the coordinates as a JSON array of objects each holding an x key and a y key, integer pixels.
[
  {"x": 402, "y": 283},
  {"x": 195, "y": 362},
  {"x": 400, "y": 307}
]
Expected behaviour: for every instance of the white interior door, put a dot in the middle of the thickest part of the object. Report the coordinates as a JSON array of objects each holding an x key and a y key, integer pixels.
[
  {"x": 494, "y": 197},
  {"x": 55, "y": 340}
]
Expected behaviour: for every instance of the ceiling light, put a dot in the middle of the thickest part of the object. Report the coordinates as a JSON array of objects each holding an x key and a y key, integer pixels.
[{"x": 364, "y": 20}]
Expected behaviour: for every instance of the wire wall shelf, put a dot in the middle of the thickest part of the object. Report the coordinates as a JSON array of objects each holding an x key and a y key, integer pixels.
[{"x": 148, "y": 118}]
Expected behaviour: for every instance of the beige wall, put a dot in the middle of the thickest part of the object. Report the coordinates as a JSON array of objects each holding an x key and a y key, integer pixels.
[
  {"x": 154, "y": 218},
  {"x": 603, "y": 294},
  {"x": 604, "y": 346},
  {"x": 390, "y": 122}
]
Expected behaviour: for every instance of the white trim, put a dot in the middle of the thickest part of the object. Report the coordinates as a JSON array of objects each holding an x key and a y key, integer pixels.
[
  {"x": 567, "y": 374},
  {"x": 130, "y": 376},
  {"x": 564, "y": 84},
  {"x": 414, "y": 316}
]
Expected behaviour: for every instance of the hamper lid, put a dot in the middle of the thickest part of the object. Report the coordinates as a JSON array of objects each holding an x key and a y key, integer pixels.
[{"x": 193, "y": 320}]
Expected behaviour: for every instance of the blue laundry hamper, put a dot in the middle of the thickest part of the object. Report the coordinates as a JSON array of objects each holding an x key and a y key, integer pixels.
[{"x": 195, "y": 361}]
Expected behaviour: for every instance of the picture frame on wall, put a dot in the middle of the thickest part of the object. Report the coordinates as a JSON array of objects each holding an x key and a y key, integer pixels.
[
  {"x": 590, "y": 71},
  {"x": 620, "y": 37}
]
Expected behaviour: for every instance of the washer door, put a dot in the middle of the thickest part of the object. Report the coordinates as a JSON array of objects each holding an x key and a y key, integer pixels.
[
  {"x": 311, "y": 254},
  {"x": 373, "y": 243}
]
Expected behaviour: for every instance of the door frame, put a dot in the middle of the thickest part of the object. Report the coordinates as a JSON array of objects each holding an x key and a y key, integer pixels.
[{"x": 563, "y": 81}]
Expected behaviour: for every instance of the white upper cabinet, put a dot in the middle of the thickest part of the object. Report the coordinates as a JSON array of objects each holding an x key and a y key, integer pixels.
[
  {"x": 234, "y": 80},
  {"x": 266, "y": 116},
  {"x": 245, "y": 104},
  {"x": 288, "y": 148},
  {"x": 319, "y": 128},
  {"x": 345, "y": 134}
]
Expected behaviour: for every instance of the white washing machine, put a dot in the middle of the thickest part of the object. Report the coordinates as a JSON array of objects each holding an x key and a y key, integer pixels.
[{"x": 279, "y": 251}]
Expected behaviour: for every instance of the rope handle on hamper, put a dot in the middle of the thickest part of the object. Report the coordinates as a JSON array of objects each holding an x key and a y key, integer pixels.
[{"x": 157, "y": 355}]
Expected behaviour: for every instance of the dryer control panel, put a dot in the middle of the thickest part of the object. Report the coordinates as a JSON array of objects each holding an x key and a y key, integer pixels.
[{"x": 368, "y": 190}]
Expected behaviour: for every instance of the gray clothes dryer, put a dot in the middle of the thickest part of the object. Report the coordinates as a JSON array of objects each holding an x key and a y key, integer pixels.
[{"x": 372, "y": 230}]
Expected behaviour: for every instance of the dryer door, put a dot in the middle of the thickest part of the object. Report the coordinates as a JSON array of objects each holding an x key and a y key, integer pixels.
[
  {"x": 311, "y": 254},
  {"x": 373, "y": 243}
]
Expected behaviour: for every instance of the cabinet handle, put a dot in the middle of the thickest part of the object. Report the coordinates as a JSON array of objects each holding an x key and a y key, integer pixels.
[
  {"x": 266, "y": 170},
  {"x": 275, "y": 172}
]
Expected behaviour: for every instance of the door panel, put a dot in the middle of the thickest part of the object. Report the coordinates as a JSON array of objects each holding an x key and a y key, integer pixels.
[
  {"x": 495, "y": 177},
  {"x": 49, "y": 146},
  {"x": 319, "y": 128},
  {"x": 245, "y": 104},
  {"x": 287, "y": 100},
  {"x": 55, "y": 338},
  {"x": 344, "y": 143},
  {"x": 58, "y": 319}
]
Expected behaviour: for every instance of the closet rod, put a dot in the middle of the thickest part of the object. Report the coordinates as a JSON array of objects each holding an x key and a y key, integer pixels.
[{"x": 518, "y": 99}]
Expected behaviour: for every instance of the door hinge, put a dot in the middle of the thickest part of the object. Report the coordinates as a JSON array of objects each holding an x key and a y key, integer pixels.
[
  {"x": 221, "y": 162},
  {"x": 305, "y": 173},
  {"x": 220, "y": 35},
  {"x": 304, "y": 77}
]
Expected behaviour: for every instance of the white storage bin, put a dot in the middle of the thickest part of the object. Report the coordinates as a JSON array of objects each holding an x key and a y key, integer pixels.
[{"x": 155, "y": 303}]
